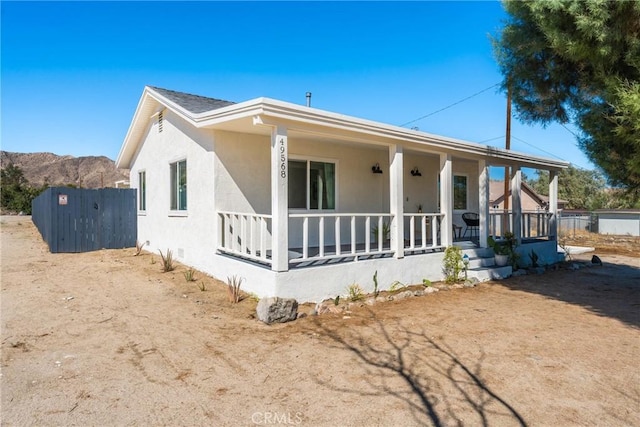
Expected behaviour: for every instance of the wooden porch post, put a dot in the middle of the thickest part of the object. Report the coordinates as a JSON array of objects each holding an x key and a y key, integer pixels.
[
  {"x": 553, "y": 205},
  {"x": 516, "y": 188},
  {"x": 446, "y": 200},
  {"x": 483, "y": 202},
  {"x": 279, "y": 199},
  {"x": 396, "y": 192}
]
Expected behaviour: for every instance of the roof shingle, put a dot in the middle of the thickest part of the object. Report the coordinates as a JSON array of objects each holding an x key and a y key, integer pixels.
[{"x": 192, "y": 103}]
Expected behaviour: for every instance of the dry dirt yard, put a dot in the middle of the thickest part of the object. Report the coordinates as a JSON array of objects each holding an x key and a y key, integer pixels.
[{"x": 105, "y": 338}]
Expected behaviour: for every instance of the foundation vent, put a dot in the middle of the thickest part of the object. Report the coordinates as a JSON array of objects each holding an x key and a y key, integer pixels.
[{"x": 160, "y": 119}]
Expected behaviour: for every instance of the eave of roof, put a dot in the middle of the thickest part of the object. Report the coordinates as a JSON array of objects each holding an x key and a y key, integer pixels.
[{"x": 266, "y": 110}]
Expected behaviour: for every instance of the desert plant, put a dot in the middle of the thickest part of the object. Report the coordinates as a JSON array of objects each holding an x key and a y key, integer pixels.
[
  {"x": 336, "y": 300},
  {"x": 452, "y": 265},
  {"x": 426, "y": 283},
  {"x": 233, "y": 289},
  {"x": 562, "y": 242},
  {"x": 355, "y": 292},
  {"x": 201, "y": 286},
  {"x": 189, "y": 275},
  {"x": 153, "y": 260},
  {"x": 167, "y": 260},
  {"x": 533, "y": 256},
  {"x": 139, "y": 246},
  {"x": 397, "y": 286},
  {"x": 376, "y": 292}
]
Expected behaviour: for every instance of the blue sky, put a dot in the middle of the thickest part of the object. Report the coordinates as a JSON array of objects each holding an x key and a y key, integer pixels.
[{"x": 72, "y": 73}]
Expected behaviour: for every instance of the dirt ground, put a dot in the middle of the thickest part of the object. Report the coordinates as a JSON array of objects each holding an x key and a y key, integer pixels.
[{"x": 105, "y": 338}]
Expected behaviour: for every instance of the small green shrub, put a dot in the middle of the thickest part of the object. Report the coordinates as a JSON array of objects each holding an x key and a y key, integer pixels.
[
  {"x": 452, "y": 265},
  {"x": 189, "y": 275},
  {"x": 167, "y": 261},
  {"x": 201, "y": 286},
  {"x": 233, "y": 289},
  {"x": 336, "y": 300},
  {"x": 355, "y": 292},
  {"x": 426, "y": 283}
]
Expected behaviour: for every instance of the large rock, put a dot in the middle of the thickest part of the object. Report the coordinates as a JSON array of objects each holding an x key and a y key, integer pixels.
[{"x": 277, "y": 310}]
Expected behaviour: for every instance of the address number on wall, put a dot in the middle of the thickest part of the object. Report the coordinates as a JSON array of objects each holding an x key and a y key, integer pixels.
[{"x": 283, "y": 158}]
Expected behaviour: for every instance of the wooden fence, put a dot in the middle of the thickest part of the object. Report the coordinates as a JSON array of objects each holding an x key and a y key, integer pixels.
[{"x": 82, "y": 220}]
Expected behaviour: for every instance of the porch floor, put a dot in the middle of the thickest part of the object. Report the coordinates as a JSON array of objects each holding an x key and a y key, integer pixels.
[{"x": 331, "y": 256}]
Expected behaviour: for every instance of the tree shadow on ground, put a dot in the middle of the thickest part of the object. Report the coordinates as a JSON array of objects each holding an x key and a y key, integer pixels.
[
  {"x": 403, "y": 362},
  {"x": 611, "y": 290}
]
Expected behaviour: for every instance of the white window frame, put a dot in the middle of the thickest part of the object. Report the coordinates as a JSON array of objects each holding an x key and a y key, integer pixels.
[
  {"x": 308, "y": 160},
  {"x": 142, "y": 195},
  {"x": 453, "y": 191},
  {"x": 177, "y": 211}
]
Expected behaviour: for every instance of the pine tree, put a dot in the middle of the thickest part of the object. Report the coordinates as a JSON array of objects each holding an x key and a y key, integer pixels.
[{"x": 579, "y": 61}]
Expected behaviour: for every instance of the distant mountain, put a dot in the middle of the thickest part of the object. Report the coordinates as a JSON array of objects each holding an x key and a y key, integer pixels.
[{"x": 85, "y": 172}]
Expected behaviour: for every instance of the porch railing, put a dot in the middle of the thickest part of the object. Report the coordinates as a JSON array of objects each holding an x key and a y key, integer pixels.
[
  {"x": 341, "y": 235},
  {"x": 246, "y": 235},
  {"x": 534, "y": 224},
  {"x": 423, "y": 231}
]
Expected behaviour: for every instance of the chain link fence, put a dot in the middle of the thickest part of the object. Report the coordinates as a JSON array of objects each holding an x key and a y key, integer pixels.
[{"x": 571, "y": 222}]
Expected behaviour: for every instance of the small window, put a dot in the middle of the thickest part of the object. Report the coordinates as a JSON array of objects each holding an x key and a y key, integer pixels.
[
  {"x": 142, "y": 191},
  {"x": 179, "y": 186},
  {"x": 312, "y": 185},
  {"x": 459, "y": 192}
]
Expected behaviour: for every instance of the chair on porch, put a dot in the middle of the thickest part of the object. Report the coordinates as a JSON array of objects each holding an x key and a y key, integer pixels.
[{"x": 472, "y": 222}]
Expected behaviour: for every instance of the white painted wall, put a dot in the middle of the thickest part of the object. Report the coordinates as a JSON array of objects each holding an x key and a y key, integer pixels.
[
  {"x": 243, "y": 180},
  {"x": 421, "y": 190},
  {"x": 189, "y": 236}
]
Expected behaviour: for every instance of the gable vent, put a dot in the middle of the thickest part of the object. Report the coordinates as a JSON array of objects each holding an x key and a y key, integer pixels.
[{"x": 160, "y": 122}]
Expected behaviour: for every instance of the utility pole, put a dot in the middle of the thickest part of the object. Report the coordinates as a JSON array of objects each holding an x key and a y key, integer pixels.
[{"x": 507, "y": 175}]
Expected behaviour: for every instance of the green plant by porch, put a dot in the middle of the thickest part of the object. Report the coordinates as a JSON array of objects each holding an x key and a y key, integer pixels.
[{"x": 453, "y": 266}]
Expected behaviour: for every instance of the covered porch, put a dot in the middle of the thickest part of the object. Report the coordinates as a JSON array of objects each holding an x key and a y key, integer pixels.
[
  {"x": 248, "y": 236},
  {"x": 316, "y": 233}
]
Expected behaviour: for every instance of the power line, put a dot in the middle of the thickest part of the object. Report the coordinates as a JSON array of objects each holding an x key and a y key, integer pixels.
[
  {"x": 569, "y": 130},
  {"x": 491, "y": 139},
  {"x": 451, "y": 105},
  {"x": 538, "y": 148}
]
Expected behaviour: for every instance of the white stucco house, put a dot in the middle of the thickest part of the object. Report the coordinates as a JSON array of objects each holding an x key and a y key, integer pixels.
[{"x": 302, "y": 202}]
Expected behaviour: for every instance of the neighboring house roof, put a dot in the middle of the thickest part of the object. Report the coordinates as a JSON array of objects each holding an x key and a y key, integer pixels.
[
  {"x": 259, "y": 115},
  {"x": 192, "y": 103},
  {"x": 496, "y": 193}
]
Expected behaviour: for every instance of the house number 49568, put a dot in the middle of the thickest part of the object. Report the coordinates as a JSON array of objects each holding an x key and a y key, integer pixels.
[{"x": 283, "y": 159}]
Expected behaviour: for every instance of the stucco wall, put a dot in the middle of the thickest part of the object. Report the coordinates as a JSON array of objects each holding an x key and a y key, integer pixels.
[
  {"x": 241, "y": 166},
  {"x": 189, "y": 235}
]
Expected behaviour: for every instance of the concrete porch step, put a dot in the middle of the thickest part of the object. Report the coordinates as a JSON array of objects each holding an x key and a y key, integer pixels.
[
  {"x": 482, "y": 265},
  {"x": 481, "y": 262},
  {"x": 478, "y": 252}
]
